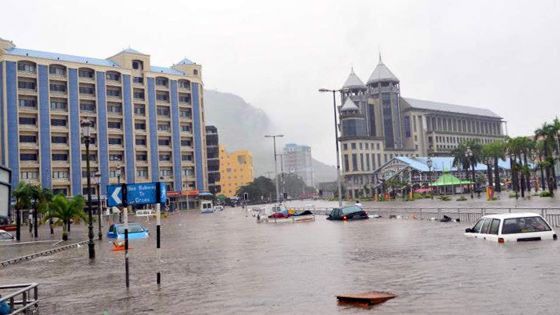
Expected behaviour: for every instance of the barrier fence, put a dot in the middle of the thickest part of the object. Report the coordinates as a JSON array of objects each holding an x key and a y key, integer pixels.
[
  {"x": 464, "y": 214},
  {"x": 24, "y": 300}
]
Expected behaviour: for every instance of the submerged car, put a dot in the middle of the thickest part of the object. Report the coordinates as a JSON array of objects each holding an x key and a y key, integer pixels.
[
  {"x": 5, "y": 236},
  {"x": 135, "y": 231},
  {"x": 348, "y": 213},
  {"x": 512, "y": 227}
]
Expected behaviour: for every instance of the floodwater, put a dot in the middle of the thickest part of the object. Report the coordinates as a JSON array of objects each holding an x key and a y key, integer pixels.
[{"x": 225, "y": 263}]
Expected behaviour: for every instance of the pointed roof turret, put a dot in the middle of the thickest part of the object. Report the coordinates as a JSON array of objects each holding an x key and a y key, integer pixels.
[
  {"x": 349, "y": 105},
  {"x": 185, "y": 61},
  {"x": 353, "y": 82},
  {"x": 382, "y": 73}
]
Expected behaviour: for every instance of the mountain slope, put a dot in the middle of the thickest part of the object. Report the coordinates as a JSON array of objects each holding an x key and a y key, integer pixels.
[{"x": 242, "y": 126}]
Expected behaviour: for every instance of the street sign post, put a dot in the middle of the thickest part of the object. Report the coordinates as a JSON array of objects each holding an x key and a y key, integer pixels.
[{"x": 129, "y": 195}]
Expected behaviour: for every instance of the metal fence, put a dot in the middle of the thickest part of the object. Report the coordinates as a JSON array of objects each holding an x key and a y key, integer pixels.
[
  {"x": 25, "y": 300},
  {"x": 464, "y": 214}
]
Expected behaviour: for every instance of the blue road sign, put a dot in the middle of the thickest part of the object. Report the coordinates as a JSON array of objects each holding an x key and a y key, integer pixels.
[{"x": 115, "y": 195}]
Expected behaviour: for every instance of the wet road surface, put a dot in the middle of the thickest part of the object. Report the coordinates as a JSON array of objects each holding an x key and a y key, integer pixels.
[{"x": 226, "y": 263}]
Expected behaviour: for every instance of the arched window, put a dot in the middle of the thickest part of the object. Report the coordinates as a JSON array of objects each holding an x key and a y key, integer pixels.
[
  {"x": 137, "y": 65},
  {"x": 113, "y": 76},
  {"x": 86, "y": 73},
  {"x": 162, "y": 81},
  {"x": 185, "y": 84},
  {"x": 27, "y": 66},
  {"x": 59, "y": 70}
]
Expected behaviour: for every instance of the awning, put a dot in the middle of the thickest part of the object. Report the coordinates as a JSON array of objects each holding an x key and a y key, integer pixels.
[
  {"x": 184, "y": 193},
  {"x": 449, "y": 180}
]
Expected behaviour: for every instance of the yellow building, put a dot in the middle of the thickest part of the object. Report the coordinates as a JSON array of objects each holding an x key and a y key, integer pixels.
[{"x": 236, "y": 170}]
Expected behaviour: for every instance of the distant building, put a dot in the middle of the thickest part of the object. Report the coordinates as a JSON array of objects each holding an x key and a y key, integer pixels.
[
  {"x": 378, "y": 124},
  {"x": 236, "y": 170},
  {"x": 213, "y": 159},
  {"x": 148, "y": 121},
  {"x": 297, "y": 160}
]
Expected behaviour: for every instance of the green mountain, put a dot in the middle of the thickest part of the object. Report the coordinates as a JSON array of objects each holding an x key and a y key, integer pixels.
[{"x": 242, "y": 126}]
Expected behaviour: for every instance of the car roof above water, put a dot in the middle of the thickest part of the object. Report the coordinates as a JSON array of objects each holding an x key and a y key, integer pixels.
[{"x": 511, "y": 215}]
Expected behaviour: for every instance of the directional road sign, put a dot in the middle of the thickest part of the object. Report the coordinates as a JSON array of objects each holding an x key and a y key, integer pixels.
[
  {"x": 136, "y": 194},
  {"x": 115, "y": 195}
]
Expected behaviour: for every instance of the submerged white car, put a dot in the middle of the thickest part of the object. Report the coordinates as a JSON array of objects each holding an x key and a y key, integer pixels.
[{"x": 512, "y": 227}]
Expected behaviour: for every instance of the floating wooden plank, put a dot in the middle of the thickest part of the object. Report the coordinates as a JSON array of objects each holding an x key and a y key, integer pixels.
[{"x": 369, "y": 298}]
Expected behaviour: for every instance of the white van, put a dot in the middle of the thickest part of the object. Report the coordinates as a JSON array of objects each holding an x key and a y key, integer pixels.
[{"x": 512, "y": 227}]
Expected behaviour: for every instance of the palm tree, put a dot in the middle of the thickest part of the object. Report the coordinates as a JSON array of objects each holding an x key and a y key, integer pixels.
[
  {"x": 22, "y": 194},
  {"x": 63, "y": 210},
  {"x": 496, "y": 150},
  {"x": 460, "y": 159},
  {"x": 44, "y": 196},
  {"x": 487, "y": 157}
]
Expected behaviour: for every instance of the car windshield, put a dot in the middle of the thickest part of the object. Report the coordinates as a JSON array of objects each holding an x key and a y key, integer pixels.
[
  {"x": 132, "y": 228},
  {"x": 525, "y": 225},
  {"x": 351, "y": 209}
]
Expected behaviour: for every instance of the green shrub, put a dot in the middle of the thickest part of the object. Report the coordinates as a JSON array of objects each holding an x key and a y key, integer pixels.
[
  {"x": 545, "y": 194},
  {"x": 512, "y": 195},
  {"x": 445, "y": 198},
  {"x": 462, "y": 198}
]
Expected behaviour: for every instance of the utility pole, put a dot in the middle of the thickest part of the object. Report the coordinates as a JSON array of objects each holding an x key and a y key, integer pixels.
[{"x": 275, "y": 164}]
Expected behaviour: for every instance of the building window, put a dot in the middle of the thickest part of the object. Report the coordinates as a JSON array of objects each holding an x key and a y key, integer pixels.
[
  {"x": 59, "y": 139},
  {"x": 138, "y": 80},
  {"x": 86, "y": 73},
  {"x": 195, "y": 72},
  {"x": 113, "y": 76},
  {"x": 142, "y": 156},
  {"x": 60, "y": 174},
  {"x": 185, "y": 98},
  {"x": 165, "y": 157},
  {"x": 28, "y": 157},
  {"x": 29, "y": 174},
  {"x": 164, "y": 141},
  {"x": 185, "y": 142},
  {"x": 27, "y": 139},
  {"x": 162, "y": 82},
  {"x": 57, "y": 70},
  {"x": 186, "y": 128},
  {"x": 163, "y": 111},
  {"x": 142, "y": 172},
  {"x": 87, "y": 106},
  {"x": 87, "y": 89},
  {"x": 186, "y": 157},
  {"x": 59, "y": 104},
  {"x": 354, "y": 162},
  {"x": 137, "y": 65},
  {"x": 353, "y": 145},
  {"x": 114, "y": 108},
  {"x": 163, "y": 126},
  {"x": 28, "y": 102},
  {"x": 114, "y": 92},
  {"x": 60, "y": 156},
  {"x": 58, "y": 122},
  {"x": 407, "y": 126},
  {"x": 115, "y": 141},
  {"x": 32, "y": 121},
  {"x": 346, "y": 163},
  {"x": 115, "y": 157},
  {"x": 165, "y": 172},
  {"x": 139, "y": 94},
  {"x": 114, "y": 124},
  {"x": 27, "y": 84},
  {"x": 56, "y": 86},
  {"x": 140, "y": 140},
  {"x": 162, "y": 96},
  {"x": 140, "y": 125},
  {"x": 139, "y": 109},
  {"x": 185, "y": 113},
  {"x": 27, "y": 66},
  {"x": 184, "y": 84}
]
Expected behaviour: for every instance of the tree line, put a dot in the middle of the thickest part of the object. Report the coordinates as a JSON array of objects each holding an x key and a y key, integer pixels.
[{"x": 527, "y": 156}]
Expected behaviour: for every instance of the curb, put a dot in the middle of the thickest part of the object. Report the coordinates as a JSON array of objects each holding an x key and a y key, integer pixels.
[{"x": 48, "y": 252}]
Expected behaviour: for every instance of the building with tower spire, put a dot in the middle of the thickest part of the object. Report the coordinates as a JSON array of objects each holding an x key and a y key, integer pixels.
[{"x": 378, "y": 124}]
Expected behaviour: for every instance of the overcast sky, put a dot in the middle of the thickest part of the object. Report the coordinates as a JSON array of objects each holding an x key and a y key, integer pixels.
[{"x": 500, "y": 55}]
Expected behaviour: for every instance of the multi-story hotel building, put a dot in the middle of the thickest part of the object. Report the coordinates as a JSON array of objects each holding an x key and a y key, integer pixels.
[
  {"x": 148, "y": 121},
  {"x": 377, "y": 124},
  {"x": 297, "y": 160},
  {"x": 236, "y": 170}
]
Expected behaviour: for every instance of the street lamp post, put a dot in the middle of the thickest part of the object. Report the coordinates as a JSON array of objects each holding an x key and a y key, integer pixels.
[
  {"x": 336, "y": 142},
  {"x": 275, "y": 165},
  {"x": 98, "y": 181},
  {"x": 469, "y": 156},
  {"x": 429, "y": 163},
  {"x": 86, "y": 134}
]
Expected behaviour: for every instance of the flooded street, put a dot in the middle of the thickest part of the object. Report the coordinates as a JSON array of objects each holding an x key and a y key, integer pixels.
[{"x": 226, "y": 263}]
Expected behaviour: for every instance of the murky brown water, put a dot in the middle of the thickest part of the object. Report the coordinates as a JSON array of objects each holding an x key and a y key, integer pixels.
[{"x": 226, "y": 263}]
